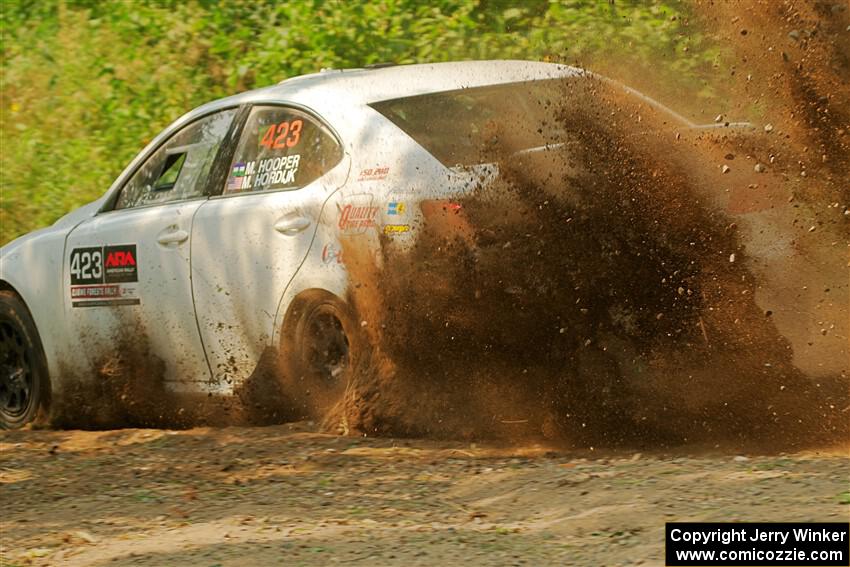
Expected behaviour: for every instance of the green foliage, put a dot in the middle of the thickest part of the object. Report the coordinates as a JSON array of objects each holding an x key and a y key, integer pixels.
[{"x": 87, "y": 83}]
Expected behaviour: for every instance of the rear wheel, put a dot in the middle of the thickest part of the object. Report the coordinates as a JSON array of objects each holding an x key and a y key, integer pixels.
[
  {"x": 23, "y": 372},
  {"x": 321, "y": 351}
]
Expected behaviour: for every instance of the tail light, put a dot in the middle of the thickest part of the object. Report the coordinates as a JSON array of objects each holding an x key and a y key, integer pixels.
[{"x": 447, "y": 218}]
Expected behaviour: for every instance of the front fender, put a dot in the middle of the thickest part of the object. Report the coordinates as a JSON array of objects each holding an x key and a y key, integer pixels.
[{"x": 32, "y": 267}]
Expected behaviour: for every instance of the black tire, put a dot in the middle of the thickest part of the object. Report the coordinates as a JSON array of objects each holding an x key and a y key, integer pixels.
[
  {"x": 321, "y": 347},
  {"x": 24, "y": 384}
]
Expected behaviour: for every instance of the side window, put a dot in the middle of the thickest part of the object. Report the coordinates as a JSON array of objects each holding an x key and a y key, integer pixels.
[
  {"x": 180, "y": 168},
  {"x": 281, "y": 148}
]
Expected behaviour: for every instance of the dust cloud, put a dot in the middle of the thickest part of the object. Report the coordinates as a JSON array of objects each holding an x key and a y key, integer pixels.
[
  {"x": 639, "y": 283},
  {"x": 627, "y": 286}
]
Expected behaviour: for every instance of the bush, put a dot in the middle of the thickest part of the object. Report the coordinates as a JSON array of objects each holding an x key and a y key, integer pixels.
[{"x": 86, "y": 84}]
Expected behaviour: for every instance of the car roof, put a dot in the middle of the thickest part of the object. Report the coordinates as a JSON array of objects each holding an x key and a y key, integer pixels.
[
  {"x": 365, "y": 86},
  {"x": 331, "y": 89}
]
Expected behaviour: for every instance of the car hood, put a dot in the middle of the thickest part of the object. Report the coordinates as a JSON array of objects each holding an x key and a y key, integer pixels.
[
  {"x": 64, "y": 224},
  {"x": 76, "y": 216}
]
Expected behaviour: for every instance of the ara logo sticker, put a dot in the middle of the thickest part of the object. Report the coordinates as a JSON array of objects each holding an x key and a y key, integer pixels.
[{"x": 121, "y": 264}]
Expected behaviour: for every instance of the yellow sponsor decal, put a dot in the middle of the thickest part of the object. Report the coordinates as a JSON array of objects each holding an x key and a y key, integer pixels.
[{"x": 396, "y": 228}]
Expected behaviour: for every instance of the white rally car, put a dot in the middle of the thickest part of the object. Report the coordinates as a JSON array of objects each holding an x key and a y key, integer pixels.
[{"x": 223, "y": 238}]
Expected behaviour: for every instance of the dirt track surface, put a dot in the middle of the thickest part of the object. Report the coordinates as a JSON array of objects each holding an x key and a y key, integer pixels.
[{"x": 288, "y": 495}]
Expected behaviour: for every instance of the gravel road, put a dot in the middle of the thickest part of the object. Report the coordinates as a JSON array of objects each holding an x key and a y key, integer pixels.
[{"x": 287, "y": 495}]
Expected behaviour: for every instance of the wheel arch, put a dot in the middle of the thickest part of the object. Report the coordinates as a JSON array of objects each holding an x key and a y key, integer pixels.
[
  {"x": 311, "y": 281},
  {"x": 5, "y": 285}
]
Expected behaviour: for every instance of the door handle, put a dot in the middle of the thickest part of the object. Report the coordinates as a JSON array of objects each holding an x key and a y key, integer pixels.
[
  {"x": 291, "y": 226},
  {"x": 173, "y": 237}
]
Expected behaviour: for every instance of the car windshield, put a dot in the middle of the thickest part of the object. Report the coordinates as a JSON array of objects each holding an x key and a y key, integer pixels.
[{"x": 473, "y": 126}]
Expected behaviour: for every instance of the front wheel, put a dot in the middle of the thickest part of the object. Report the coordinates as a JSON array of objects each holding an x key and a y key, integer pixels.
[{"x": 23, "y": 371}]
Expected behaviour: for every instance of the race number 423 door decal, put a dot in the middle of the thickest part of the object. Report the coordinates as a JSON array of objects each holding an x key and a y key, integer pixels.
[{"x": 104, "y": 275}]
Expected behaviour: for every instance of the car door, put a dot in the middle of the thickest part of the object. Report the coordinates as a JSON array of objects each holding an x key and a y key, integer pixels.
[
  {"x": 127, "y": 270},
  {"x": 248, "y": 242}
]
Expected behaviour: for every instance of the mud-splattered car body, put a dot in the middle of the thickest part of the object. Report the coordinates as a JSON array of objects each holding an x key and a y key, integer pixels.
[
  {"x": 195, "y": 253},
  {"x": 240, "y": 221}
]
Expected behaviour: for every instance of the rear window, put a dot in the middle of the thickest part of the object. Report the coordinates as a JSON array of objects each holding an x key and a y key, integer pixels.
[{"x": 474, "y": 126}]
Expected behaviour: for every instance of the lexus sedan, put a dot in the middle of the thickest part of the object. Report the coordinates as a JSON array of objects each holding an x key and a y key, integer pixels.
[{"x": 227, "y": 237}]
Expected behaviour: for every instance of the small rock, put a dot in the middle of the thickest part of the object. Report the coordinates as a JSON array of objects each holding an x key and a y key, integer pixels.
[
  {"x": 760, "y": 168},
  {"x": 84, "y": 536},
  {"x": 732, "y": 258},
  {"x": 768, "y": 127},
  {"x": 794, "y": 34},
  {"x": 725, "y": 168},
  {"x": 740, "y": 459}
]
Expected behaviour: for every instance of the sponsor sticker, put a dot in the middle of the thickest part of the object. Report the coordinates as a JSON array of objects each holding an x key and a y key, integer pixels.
[
  {"x": 357, "y": 215},
  {"x": 373, "y": 173},
  {"x": 121, "y": 264},
  {"x": 396, "y": 208},
  {"x": 104, "y": 275},
  {"x": 391, "y": 229},
  {"x": 331, "y": 254}
]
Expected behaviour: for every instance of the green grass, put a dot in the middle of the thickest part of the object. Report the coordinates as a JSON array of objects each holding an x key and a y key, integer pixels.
[{"x": 86, "y": 84}]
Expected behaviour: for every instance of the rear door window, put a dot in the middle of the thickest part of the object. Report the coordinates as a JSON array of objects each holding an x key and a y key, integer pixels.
[
  {"x": 180, "y": 168},
  {"x": 281, "y": 148}
]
